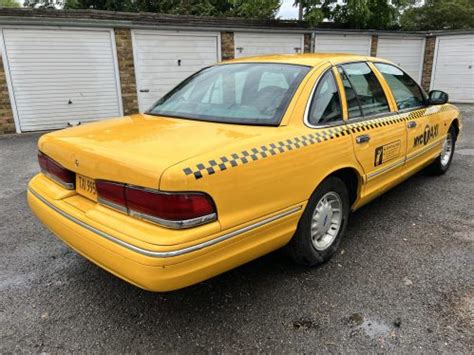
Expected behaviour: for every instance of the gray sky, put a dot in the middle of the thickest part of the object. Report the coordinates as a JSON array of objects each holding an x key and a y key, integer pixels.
[{"x": 287, "y": 10}]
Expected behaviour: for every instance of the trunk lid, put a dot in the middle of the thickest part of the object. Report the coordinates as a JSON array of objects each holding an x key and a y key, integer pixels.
[{"x": 138, "y": 149}]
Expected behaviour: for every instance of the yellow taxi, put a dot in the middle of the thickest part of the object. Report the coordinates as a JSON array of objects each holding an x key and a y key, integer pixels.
[{"x": 240, "y": 159}]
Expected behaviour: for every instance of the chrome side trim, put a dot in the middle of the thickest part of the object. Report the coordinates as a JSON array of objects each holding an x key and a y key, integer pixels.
[
  {"x": 424, "y": 149},
  {"x": 404, "y": 160},
  {"x": 386, "y": 169},
  {"x": 166, "y": 254}
]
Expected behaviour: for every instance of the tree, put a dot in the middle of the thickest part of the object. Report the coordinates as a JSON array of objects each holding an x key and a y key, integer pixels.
[
  {"x": 315, "y": 11},
  {"x": 9, "y": 3},
  {"x": 363, "y": 14},
  {"x": 439, "y": 15},
  {"x": 43, "y": 4},
  {"x": 237, "y": 8}
]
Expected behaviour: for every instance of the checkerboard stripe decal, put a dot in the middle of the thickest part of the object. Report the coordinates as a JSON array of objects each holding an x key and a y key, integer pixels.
[{"x": 318, "y": 136}]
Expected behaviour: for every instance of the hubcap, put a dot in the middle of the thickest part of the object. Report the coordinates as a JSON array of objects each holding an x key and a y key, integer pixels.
[
  {"x": 447, "y": 150},
  {"x": 326, "y": 221}
]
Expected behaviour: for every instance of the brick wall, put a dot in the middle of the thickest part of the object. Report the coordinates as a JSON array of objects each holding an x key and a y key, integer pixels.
[
  {"x": 7, "y": 125},
  {"x": 128, "y": 83},
  {"x": 373, "y": 46},
  {"x": 428, "y": 62},
  {"x": 227, "y": 45}
]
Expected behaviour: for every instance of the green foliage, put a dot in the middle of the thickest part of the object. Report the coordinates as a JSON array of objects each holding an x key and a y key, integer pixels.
[
  {"x": 9, "y": 3},
  {"x": 237, "y": 8},
  {"x": 315, "y": 11},
  {"x": 362, "y": 14},
  {"x": 440, "y": 15},
  {"x": 41, "y": 4}
]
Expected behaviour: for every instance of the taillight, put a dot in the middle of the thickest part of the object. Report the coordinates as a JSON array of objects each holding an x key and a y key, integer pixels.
[
  {"x": 174, "y": 210},
  {"x": 112, "y": 194},
  {"x": 56, "y": 172}
]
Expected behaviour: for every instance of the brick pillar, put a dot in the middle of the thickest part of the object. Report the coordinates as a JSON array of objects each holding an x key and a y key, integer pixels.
[
  {"x": 374, "y": 45},
  {"x": 307, "y": 43},
  {"x": 128, "y": 83},
  {"x": 7, "y": 124},
  {"x": 227, "y": 45},
  {"x": 428, "y": 62}
]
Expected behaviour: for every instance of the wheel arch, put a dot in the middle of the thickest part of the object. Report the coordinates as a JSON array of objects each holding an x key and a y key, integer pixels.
[
  {"x": 455, "y": 123},
  {"x": 352, "y": 179}
]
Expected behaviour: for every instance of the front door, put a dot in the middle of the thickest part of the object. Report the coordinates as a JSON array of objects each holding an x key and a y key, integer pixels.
[
  {"x": 379, "y": 136},
  {"x": 422, "y": 122}
]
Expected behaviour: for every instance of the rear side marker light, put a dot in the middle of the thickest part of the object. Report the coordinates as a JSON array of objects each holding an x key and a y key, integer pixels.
[
  {"x": 57, "y": 172},
  {"x": 173, "y": 210}
]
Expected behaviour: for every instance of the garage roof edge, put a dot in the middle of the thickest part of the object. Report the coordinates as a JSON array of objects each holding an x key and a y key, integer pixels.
[{"x": 146, "y": 20}]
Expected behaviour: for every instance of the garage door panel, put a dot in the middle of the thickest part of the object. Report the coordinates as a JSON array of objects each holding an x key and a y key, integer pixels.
[
  {"x": 406, "y": 52},
  {"x": 343, "y": 43},
  {"x": 250, "y": 44},
  {"x": 164, "y": 59},
  {"x": 453, "y": 69},
  {"x": 60, "y": 75}
]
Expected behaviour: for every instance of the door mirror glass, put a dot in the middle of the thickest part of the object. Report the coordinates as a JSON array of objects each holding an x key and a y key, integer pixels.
[{"x": 438, "y": 97}]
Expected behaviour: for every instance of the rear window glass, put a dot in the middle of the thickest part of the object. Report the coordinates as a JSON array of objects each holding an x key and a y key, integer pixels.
[{"x": 243, "y": 93}]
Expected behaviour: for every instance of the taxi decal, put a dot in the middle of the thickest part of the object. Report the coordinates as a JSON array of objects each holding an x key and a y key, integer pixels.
[
  {"x": 429, "y": 133},
  {"x": 387, "y": 152},
  {"x": 258, "y": 153}
]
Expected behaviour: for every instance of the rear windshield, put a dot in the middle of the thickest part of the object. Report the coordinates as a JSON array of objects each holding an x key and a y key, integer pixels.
[{"x": 243, "y": 93}]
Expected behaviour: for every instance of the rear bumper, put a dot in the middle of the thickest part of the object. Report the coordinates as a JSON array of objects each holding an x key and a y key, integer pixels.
[{"x": 158, "y": 268}]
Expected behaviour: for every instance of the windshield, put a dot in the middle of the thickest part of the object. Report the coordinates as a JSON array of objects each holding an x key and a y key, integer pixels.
[{"x": 243, "y": 93}]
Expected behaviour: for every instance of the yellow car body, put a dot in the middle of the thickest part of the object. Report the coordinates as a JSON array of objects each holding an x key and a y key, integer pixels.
[{"x": 260, "y": 178}]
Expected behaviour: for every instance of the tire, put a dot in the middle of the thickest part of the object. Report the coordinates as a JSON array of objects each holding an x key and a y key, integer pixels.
[
  {"x": 303, "y": 247},
  {"x": 443, "y": 161}
]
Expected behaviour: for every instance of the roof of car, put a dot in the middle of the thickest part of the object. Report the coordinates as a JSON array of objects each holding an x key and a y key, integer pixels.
[{"x": 310, "y": 59}]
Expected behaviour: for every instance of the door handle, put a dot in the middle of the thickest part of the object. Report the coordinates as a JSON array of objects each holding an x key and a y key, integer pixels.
[
  {"x": 144, "y": 90},
  {"x": 362, "y": 139},
  {"x": 411, "y": 124}
]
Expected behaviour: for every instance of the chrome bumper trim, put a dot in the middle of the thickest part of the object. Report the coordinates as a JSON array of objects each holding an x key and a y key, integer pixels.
[{"x": 166, "y": 254}]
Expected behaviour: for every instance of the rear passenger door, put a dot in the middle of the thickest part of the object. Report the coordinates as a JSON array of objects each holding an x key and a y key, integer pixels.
[{"x": 379, "y": 138}]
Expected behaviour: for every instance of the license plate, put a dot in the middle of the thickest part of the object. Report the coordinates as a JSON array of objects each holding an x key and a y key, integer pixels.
[{"x": 86, "y": 187}]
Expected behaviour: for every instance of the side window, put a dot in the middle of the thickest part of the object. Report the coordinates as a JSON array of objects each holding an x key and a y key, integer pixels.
[
  {"x": 325, "y": 105},
  {"x": 366, "y": 88},
  {"x": 405, "y": 90},
  {"x": 351, "y": 97}
]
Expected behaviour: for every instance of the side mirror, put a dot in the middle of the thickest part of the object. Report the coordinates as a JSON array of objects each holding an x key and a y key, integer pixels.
[{"x": 438, "y": 97}]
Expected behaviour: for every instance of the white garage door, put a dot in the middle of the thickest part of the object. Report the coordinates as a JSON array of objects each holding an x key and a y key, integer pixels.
[
  {"x": 60, "y": 76},
  {"x": 343, "y": 43},
  {"x": 248, "y": 44},
  {"x": 406, "y": 52},
  {"x": 164, "y": 59},
  {"x": 453, "y": 67}
]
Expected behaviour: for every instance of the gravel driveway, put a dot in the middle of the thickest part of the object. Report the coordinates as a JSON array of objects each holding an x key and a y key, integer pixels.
[{"x": 402, "y": 281}]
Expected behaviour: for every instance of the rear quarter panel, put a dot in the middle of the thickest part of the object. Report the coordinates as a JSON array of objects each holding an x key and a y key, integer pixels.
[{"x": 278, "y": 170}]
